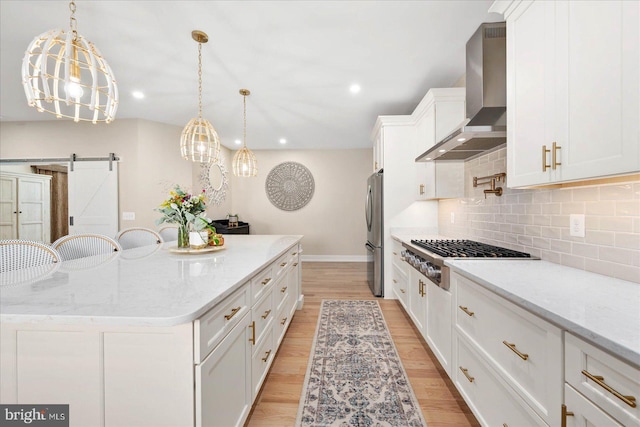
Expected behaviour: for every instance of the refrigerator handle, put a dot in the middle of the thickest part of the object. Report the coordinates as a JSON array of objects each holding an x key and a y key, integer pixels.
[
  {"x": 370, "y": 247},
  {"x": 368, "y": 208}
]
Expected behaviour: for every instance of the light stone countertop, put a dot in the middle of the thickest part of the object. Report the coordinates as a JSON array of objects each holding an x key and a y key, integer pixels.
[
  {"x": 600, "y": 309},
  {"x": 147, "y": 286}
]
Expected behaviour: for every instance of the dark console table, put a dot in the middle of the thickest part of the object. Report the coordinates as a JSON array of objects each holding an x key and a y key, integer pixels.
[{"x": 222, "y": 227}]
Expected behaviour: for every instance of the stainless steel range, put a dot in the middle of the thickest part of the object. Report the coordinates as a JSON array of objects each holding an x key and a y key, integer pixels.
[{"x": 428, "y": 256}]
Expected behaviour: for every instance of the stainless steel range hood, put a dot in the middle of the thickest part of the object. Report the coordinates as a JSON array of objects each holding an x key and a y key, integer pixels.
[{"x": 486, "y": 99}]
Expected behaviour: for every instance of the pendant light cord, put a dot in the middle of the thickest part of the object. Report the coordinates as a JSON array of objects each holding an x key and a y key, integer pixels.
[
  {"x": 72, "y": 20},
  {"x": 244, "y": 99},
  {"x": 200, "y": 81}
]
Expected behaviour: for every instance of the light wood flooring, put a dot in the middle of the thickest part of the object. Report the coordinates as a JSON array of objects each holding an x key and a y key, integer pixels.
[{"x": 277, "y": 404}]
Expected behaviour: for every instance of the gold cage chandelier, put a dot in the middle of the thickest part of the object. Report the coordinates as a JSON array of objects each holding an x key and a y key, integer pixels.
[
  {"x": 244, "y": 161},
  {"x": 65, "y": 74},
  {"x": 199, "y": 141}
]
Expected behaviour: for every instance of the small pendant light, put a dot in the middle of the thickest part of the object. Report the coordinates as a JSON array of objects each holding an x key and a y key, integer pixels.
[
  {"x": 199, "y": 141},
  {"x": 244, "y": 161}
]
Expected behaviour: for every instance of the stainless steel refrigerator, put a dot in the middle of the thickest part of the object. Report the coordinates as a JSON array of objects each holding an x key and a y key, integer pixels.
[{"x": 374, "y": 245}]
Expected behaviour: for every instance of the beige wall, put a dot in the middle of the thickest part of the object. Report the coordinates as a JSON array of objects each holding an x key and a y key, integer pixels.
[
  {"x": 537, "y": 221},
  {"x": 332, "y": 222}
]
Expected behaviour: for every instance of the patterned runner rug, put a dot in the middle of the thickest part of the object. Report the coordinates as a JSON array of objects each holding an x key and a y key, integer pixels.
[{"x": 354, "y": 376}]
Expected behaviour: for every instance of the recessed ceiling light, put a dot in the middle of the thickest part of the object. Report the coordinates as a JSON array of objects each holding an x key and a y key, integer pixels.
[
  {"x": 238, "y": 142},
  {"x": 441, "y": 151},
  {"x": 137, "y": 94},
  {"x": 354, "y": 88},
  {"x": 461, "y": 139},
  {"x": 283, "y": 141},
  {"x": 428, "y": 158}
]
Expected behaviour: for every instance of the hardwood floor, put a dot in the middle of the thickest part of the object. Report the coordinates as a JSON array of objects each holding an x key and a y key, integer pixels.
[{"x": 277, "y": 404}]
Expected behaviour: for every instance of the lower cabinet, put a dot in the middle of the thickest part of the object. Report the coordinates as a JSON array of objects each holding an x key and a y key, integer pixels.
[
  {"x": 438, "y": 324},
  {"x": 417, "y": 300},
  {"x": 223, "y": 380},
  {"x": 578, "y": 411}
]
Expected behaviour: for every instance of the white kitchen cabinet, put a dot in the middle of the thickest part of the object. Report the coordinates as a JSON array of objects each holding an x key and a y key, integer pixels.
[
  {"x": 437, "y": 115},
  {"x": 25, "y": 207},
  {"x": 418, "y": 300},
  {"x": 438, "y": 323},
  {"x": 578, "y": 411},
  {"x": 573, "y": 93},
  {"x": 378, "y": 150},
  {"x": 604, "y": 381},
  {"x": 522, "y": 349},
  {"x": 400, "y": 275},
  {"x": 223, "y": 380}
]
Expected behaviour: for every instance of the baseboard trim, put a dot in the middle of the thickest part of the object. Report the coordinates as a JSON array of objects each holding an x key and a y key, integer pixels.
[{"x": 336, "y": 258}]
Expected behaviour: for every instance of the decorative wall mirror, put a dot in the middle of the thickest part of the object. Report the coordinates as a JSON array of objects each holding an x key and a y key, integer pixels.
[{"x": 213, "y": 177}]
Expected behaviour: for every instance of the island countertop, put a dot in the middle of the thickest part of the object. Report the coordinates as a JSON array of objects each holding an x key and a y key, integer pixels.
[{"x": 147, "y": 286}]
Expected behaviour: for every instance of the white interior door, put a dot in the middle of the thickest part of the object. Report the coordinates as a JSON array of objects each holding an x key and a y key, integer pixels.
[
  {"x": 8, "y": 208},
  {"x": 34, "y": 203},
  {"x": 93, "y": 198}
]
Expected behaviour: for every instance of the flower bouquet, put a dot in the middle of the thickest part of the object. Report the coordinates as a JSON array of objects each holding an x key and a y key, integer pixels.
[{"x": 182, "y": 209}]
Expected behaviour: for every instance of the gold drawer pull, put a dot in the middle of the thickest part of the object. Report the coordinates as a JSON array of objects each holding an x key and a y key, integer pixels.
[
  {"x": 266, "y": 314},
  {"x": 629, "y": 400},
  {"x": 513, "y": 348},
  {"x": 505, "y": 425},
  {"x": 294, "y": 254},
  {"x": 283, "y": 321},
  {"x": 554, "y": 155},
  {"x": 283, "y": 264},
  {"x": 466, "y": 310},
  {"x": 233, "y": 313},
  {"x": 421, "y": 189},
  {"x": 295, "y": 264},
  {"x": 545, "y": 166},
  {"x": 394, "y": 281},
  {"x": 465, "y": 372},
  {"x": 395, "y": 253},
  {"x": 266, "y": 356},
  {"x": 283, "y": 290},
  {"x": 565, "y": 414},
  {"x": 252, "y": 340},
  {"x": 265, "y": 281},
  {"x": 402, "y": 290}
]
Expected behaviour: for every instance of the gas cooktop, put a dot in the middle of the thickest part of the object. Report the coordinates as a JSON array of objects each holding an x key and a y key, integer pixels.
[{"x": 467, "y": 249}]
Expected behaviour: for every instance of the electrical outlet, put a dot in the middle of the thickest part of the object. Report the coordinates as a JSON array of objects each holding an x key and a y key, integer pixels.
[
  {"x": 128, "y": 216},
  {"x": 453, "y": 217},
  {"x": 576, "y": 225}
]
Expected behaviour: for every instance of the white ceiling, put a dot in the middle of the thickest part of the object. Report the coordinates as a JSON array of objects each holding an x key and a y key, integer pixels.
[{"x": 298, "y": 58}]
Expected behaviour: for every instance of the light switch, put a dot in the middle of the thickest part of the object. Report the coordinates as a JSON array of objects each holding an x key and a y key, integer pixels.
[
  {"x": 128, "y": 216},
  {"x": 576, "y": 225}
]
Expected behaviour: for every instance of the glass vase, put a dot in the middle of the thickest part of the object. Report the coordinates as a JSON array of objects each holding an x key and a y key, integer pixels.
[{"x": 183, "y": 236}]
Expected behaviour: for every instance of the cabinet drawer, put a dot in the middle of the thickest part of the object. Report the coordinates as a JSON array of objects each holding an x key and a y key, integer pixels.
[
  {"x": 214, "y": 325},
  {"x": 263, "y": 313},
  {"x": 582, "y": 412},
  {"x": 261, "y": 361},
  {"x": 525, "y": 349},
  {"x": 400, "y": 282},
  {"x": 493, "y": 402},
  {"x": 616, "y": 387},
  {"x": 282, "y": 264},
  {"x": 281, "y": 292},
  {"x": 283, "y": 318},
  {"x": 261, "y": 282}
]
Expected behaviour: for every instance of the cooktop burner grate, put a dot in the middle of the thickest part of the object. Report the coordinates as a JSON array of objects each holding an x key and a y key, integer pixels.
[{"x": 467, "y": 249}]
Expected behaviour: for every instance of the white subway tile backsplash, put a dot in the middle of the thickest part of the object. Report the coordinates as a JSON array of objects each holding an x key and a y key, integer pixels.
[{"x": 537, "y": 221}]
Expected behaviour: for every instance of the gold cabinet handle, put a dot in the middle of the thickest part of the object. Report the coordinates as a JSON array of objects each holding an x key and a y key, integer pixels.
[
  {"x": 252, "y": 340},
  {"x": 421, "y": 189},
  {"x": 294, "y": 253},
  {"x": 565, "y": 414},
  {"x": 233, "y": 313},
  {"x": 629, "y": 400},
  {"x": 545, "y": 166},
  {"x": 513, "y": 348},
  {"x": 283, "y": 264},
  {"x": 394, "y": 281},
  {"x": 466, "y": 310},
  {"x": 395, "y": 253},
  {"x": 504, "y": 425},
  {"x": 265, "y": 281},
  {"x": 266, "y": 314},
  {"x": 266, "y": 356},
  {"x": 420, "y": 285},
  {"x": 466, "y": 374},
  {"x": 295, "y": 264},
  {"x": 402, "y": 290},
  {"x": 283, "y": 321},
  {"x": 554, "y": 155},
  {"x": 283, "y": 290},
  {"x": 422, "y": 291}
]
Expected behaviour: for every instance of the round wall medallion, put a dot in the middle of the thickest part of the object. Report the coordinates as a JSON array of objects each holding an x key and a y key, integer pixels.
[{"x": 289, "y": 186}]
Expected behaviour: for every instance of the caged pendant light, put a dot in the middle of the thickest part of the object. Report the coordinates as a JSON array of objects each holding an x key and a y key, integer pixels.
[
  {"x": 244, "y": 161},
  {"x": 65, "y": 74},
  {"x": 199, "y": 141}
]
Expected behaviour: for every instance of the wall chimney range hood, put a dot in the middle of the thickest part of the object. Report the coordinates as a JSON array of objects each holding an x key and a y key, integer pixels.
[{"x": 485, "y": 128}]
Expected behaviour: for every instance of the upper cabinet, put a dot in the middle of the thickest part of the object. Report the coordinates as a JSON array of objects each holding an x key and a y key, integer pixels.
[
  {"x": 573, "y": 85},
  {"x": 438, "y": 114}
]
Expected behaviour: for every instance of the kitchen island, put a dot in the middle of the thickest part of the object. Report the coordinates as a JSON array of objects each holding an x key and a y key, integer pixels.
[{"x": 147, "y": 336}]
